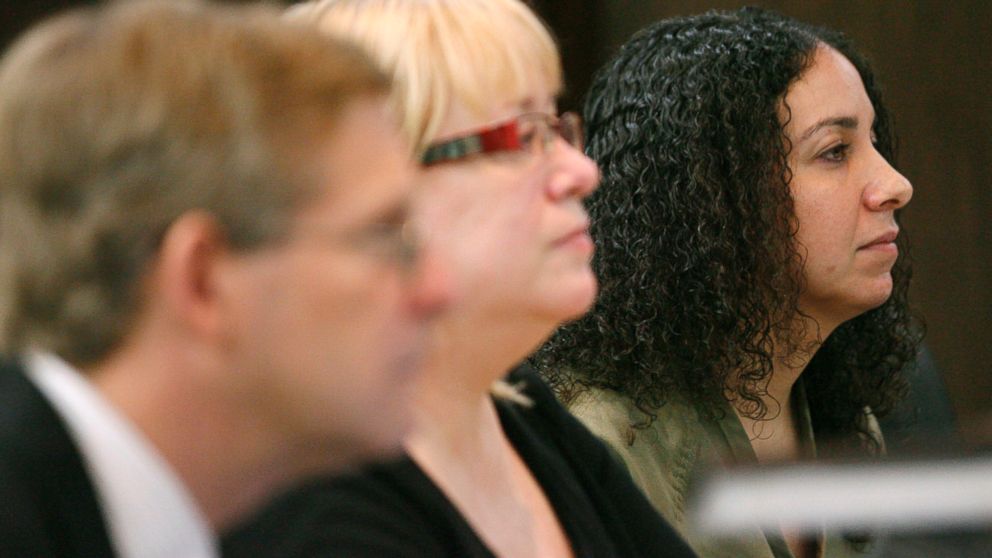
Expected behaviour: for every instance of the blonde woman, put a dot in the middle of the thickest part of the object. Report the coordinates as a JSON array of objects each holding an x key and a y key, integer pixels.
[{"x": 491, "y": 471}]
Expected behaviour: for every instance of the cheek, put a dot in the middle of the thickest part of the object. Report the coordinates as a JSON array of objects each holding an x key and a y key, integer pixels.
[
  {"x": 823, "y": 243},
  {"x": 449, "y": 216},
  {"x": 828, "y": 219},
  {"x": 351, "y": 302},
  {"x": 829, "y": 237},
  {"x": 483, "y": 227},
  {"x": 331, "y": 300}
]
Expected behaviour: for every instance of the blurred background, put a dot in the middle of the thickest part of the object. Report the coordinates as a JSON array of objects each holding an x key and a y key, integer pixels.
[{"x": 934, "y": 60}]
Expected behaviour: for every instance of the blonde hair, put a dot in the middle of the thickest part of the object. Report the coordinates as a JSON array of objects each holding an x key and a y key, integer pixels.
[
  {"x": 442, "y": 52},
  {"x": 115, "y": 121},
  {"x": 439, "y": 52}
]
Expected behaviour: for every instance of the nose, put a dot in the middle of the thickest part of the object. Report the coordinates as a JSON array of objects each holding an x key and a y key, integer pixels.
[
  {"x": 888, "y": 189},
  {"x": 431, "y": 285},
  {"x": 574, "y": 174}
]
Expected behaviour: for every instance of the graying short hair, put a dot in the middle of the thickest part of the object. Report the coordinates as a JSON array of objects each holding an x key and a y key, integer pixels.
[{"x": 115, "y": 121}]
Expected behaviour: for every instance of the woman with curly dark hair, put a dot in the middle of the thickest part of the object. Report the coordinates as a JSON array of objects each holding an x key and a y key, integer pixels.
[{"x": 753, "y": 281}]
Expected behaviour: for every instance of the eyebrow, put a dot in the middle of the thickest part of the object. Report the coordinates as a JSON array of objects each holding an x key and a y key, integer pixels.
[{"x": 846, "y": 122}]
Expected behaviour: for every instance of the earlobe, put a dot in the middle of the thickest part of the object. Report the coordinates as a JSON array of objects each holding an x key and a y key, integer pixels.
[{"x": 190, "y": 262}]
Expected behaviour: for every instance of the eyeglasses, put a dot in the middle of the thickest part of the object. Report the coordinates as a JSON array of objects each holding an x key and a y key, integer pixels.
[
  {"x": 533, "y": 132},
  {"x": 397, "y": 243}
]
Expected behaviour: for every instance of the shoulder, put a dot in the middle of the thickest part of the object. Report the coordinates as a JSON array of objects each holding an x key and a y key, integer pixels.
[
  {"x": 607, "y": 503},
  {"x": 21, "y": 529},
  {"x": 390, "y": 509},
  {"x": 29, "y": 431},
  {"x": 20, "y": 400},
  {"x": 616, "y": 419},
  {"x": 662, "y": 457},
  {"x": 49, "y": 505},
  {"x": 542, "y": 421},
  {"x": 530, "y": 384},
  {"x": 572, "y": 436}
]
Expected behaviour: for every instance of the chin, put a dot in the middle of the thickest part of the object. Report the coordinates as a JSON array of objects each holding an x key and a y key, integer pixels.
[
  {"x": 385, "y": 449},
  {"x": 877, "y": 293},
  {"x": 322, "y": 457},
  {"x": 848, "y": 301},
  {"x": 379, "y": 432},
  {"x": 384, "y": 444},
  {"x": 575, "y": 299},
  {"x": 870, "y": 298}
]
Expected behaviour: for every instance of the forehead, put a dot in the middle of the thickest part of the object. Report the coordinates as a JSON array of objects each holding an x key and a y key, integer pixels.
[
  {"x": 830, "y": 87},
  {"x": 538, "y": 93}
]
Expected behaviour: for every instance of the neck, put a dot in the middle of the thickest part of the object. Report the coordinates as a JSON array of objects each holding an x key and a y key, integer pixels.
[
  {"x": 457, "y": 438},
  {"x": 459, "y": 442},
  {"x": 227, "y": 461},
  {"x": 453, "y": 405},
  {"x": 471, "y": 352},
  {"x": 792, "y": 358},
  {"x": 775, "y": 436}
]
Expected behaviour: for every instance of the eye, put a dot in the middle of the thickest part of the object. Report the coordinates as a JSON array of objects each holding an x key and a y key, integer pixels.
[
  {"x": 386, "y": 231},
  {"x": 528, "y": 134},
  {"x": 386, "y": 240},
  {"x": 836, "y": 154}
]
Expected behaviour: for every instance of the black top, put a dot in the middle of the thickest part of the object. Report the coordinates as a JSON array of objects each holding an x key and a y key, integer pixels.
[
  {"x": 394, "y": 509},
  {"x": 48, "y": 506}
]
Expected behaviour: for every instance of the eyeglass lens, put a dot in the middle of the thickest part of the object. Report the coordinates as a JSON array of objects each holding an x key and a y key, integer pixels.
[{"x": 537, "y": 132}]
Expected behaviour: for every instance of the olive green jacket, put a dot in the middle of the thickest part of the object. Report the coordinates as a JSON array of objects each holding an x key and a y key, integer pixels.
[{"x": 666, "y": 458}]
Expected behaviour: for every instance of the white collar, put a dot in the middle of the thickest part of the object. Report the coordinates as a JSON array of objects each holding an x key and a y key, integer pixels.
[{"x": 149, "y": 511}]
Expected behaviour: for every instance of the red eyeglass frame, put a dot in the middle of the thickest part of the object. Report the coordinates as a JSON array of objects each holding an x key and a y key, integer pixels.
[{"x": 501, "y": 137}]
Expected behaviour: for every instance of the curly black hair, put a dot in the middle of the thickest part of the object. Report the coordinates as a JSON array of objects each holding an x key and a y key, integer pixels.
[{"x": 695, "y": 230}]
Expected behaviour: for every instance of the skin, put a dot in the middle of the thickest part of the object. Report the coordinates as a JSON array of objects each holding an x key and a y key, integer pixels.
[
  {"x": 341, "y": 349},
  {"x": 845, "y": 193},
  {"x": 516, "y": 218},
  {"x": 296, "y": 357},
  {"x": 513, "y": 228}
]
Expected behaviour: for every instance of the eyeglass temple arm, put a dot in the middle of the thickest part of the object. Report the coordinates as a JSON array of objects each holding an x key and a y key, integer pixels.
[{"x": 500, "y": 138}]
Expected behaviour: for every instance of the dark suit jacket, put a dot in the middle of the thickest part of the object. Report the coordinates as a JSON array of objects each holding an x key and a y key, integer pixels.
[{"x": 48, "y": 505}]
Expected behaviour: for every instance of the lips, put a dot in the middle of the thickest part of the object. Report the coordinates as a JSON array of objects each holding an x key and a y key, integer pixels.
[
  {"x": 882, "y": 240},
  {"x": 579, "y": 234}
]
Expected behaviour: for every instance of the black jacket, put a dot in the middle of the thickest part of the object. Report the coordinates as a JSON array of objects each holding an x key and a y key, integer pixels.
[
  {"x": 396, "y": 510},
  {"x": 48, "y": 505}
]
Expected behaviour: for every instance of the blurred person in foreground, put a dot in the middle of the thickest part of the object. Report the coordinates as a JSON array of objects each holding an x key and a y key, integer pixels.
[
  {"x": 207, "y": 284},
  {"x": 496, "y": 466},
  {"x": 753, "y": 275}
]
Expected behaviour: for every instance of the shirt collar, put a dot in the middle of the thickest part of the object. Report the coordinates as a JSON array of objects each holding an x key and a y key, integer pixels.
[{"x": 149, "y": 511}]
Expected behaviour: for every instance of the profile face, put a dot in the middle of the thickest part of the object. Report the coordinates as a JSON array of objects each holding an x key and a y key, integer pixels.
[
  {"x": 845, "y": 192},
  {"x": 335, "y": 321},
  {"x": 512, "y": 224}
]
